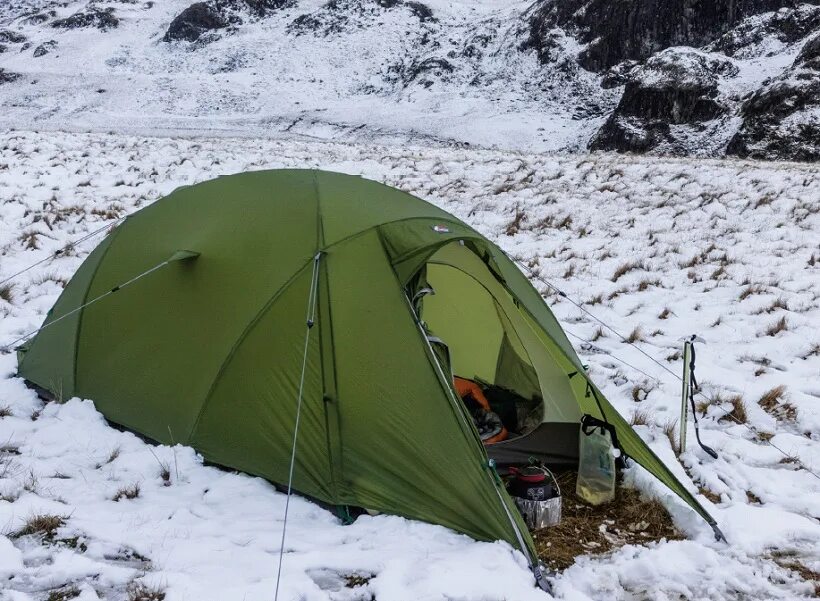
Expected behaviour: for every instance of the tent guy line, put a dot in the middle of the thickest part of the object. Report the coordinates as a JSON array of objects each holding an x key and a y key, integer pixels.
[
  {"x": 728, "y": 413},
  {"x": 310, "y": 320}
]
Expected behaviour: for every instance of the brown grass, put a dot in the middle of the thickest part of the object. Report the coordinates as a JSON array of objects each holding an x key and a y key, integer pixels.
[
  {"x": 596, "y": 300},
  {"x": 778, "y": 303},
  {"x": 5, "y": 411},
  {"x": 670, "y": 429},
  {"x": 585, "y": 529},
  {"x": 781, "y": 325},
  {"x": 646, "y": 283},
  {"x": 738, "y": 412},
  {"x": 7, "y": 292},
  {"x": 127, "y": 492},
  {"x": 625, "y": 268},
  {"x": 665, "y": 313},
  {"x": 42, "y": 524},
  {"x": 750, "y": 290},
  {"x": 137, "y": 591},
  {"x": 599, "y": 333},
  {"x": 64, "y": 593},
  {"x": 514, "y": 226},
  {"x": 635, "y": 336},
  {"x": 640, "y": 417},
  {"x": 787, "y": 560},
  {"x": 773, "y": 403}
]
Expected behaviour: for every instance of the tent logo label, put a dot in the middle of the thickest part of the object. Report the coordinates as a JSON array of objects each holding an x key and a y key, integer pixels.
[{"x": 441, "y": 229}]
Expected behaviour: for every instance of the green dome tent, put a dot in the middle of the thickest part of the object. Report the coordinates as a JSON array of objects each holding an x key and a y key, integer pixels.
[{"x": 210, "y": 347}]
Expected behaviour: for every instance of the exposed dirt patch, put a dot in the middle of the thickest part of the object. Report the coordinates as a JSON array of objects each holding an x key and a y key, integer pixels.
[{"x": 585, "y": 529}]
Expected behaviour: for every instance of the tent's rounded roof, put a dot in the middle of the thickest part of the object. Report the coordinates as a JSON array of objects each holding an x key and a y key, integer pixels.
[{"x": 293, "y": 202}]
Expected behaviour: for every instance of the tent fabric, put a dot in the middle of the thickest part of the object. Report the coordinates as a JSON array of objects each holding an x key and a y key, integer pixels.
[{"x": 208, "y": 351}]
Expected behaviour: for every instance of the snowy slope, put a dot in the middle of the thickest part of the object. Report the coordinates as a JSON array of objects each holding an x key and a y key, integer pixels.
[
  {"x": 510, "y": 75},
  {"x": 723, "y": 249}
]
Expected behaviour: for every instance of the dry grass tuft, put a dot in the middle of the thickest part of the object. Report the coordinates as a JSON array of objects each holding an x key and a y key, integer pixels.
[
  {"x": 670, "y": 429},
  {"x": 64, "y": 593},
  {"x": 514, "y": 226},
  {"x": 778, "y": 303},
  {"x": 738, "y": 413},
  {"x": 138, "y": 591},
  {"x": 42, "y": 524},
  {"x": 354, "y": 580},
  {"x": 596, "y": 300},
  {"x": 127, "y": 492},
  {"x": 7, "y": 292},
  {"x": 635, "y": 336},
  {"x": 750, "y": 290},
  {"x": 625, "y": 268},
  {"x": 585, "y": 529},
  {"x": 599, "y": 333},
  {"x": 646, "y": 283},
  {"x": 5, "y": 411},
  {"x": 787, "y": 560},
  {"x": 665, "y": 313},
  {"x": 814, "y": 351},
  {"x": 640, "y": 417},
  {"x": 773, "y": 403},
  {"x": 781, "y": 325},
  {"x": 709, "y": 494},
  {"x": 641, "y": 391},
  {"x": 112, "y": 457}
]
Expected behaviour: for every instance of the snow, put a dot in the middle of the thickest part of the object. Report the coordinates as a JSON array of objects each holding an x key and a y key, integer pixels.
[{"x": 699, "y": 232}]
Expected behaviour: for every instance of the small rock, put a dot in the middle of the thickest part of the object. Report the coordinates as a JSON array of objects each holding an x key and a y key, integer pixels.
[
  {"x": 8, "y": 76},
  {"x": 44, "y": 48},
  {"x": 11, "y": 37}
]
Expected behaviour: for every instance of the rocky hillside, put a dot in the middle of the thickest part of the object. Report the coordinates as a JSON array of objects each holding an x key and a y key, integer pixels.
[{"x": 689, "y": 77}]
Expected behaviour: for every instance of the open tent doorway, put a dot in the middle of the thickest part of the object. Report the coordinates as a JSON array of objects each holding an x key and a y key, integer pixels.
[{"x": 492, "y": 340}]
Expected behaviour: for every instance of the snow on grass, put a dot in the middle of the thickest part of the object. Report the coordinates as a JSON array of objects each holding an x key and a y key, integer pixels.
[{"x": 658, "y": 248}]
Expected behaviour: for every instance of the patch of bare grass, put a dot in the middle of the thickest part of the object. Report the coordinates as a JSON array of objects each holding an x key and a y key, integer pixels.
[
  {"x": 738, "y": 412},
  {"x": 63, "y": 593},
  {"x": 772, "y": 401},
  {"x": 789, "y": 561},
  {"x": 586, "y": 529},
  {"x": 781, "y": 325},
  {"x": 640, "y": 417},
  {"x": 139, "y": 591},
  {"x": 670, "y": 430},
  {"x": 44, "y": 525},
  {"x": 625, "y": 268},
  {"x": 635, "y": 335},
  {"x": 127, "y": 492},
  {"x": 778, "y": 303},
  {"x": 5, "y": 411},
  {"x": 750, "y": 290}
]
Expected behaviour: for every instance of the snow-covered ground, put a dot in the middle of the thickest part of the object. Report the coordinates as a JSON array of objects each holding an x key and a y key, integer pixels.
[{"x": 723, "y": 249}]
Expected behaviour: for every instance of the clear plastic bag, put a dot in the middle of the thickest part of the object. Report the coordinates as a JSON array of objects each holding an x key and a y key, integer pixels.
[{"x": 596, "y": 467}]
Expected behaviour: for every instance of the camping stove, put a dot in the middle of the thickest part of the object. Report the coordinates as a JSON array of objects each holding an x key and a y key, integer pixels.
[{"x": 537, "y": 496}]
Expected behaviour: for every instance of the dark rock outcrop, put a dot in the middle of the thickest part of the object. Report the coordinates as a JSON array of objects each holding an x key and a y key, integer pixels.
[
  {"x": 8, "y": 76},
  {"x": 44, "y": 48},
  {"x": 103, "y": 19},
  {"x": 337, "y": 16},
  {"x": 206, "y": 17},
  {"x": 787, "y": 26},
  {"x": 780, "y": 119},
  {"x": 615, "y": 31},
  {"x": 675, "y": 87},
  {"x": 11, "y": 37},
  {"x": 194, "y": 21}
]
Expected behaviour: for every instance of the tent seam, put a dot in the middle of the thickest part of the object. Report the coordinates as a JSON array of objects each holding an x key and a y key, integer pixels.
[
  {"x": 245, "y": 332},
  {"x": 85, "y": 298}
]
